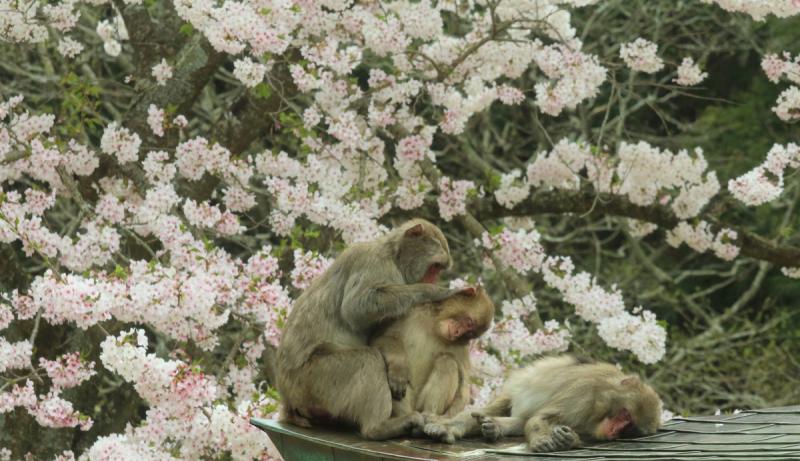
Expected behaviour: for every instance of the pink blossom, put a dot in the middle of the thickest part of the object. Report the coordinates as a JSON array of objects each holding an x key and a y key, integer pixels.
[
  {"x": 640, "y": 55},
  {"x": 307, "y": 267},
  {"x": 155, "y": 118},
  {"x": 68, "y": 370},
  {"x": 162, "y": 72},
  {"x": 453, "y": 196}
]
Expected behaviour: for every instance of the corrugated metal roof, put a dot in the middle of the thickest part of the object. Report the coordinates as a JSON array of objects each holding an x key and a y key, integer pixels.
[{"x": 767, "y": 434}]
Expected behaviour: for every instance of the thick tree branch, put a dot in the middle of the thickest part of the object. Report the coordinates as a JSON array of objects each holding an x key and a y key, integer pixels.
[
  {"x": 151, "y": 40},
  {"x": 589, "y": 202}
]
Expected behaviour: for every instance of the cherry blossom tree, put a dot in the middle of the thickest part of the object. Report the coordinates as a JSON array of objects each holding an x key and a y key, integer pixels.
[{"x": 173, "y": 174}]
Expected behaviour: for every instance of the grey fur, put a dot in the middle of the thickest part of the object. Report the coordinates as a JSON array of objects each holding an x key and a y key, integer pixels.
[
  {"x": 325, "y": 369},
  {"x": 557, "y": 403},
  {"x": 436, "y": 381}
]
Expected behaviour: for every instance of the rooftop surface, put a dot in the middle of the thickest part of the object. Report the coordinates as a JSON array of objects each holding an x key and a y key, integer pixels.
[{"x": 767, "y": 434}]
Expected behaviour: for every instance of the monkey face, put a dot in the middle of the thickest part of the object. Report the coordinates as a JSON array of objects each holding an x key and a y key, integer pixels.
[
  {"x": 456, "y": 329},
  {"x": 423, "y": 253},
  {"x": 465, "y": 316},
  {"x": 612, "y": 426}
]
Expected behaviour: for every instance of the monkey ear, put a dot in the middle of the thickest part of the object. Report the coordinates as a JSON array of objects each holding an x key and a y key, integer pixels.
[
  {"x": 630, "y": 381},
  {"x": 415, "y": 231},
  {"x": 469, "y": 292}
]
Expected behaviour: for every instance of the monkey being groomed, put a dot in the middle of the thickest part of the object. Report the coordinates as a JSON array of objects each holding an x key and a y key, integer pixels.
[
  {"x": 559, "y": 403},
  {"x": 427, "y": 352},
  {"x": 325, "y": 369}
]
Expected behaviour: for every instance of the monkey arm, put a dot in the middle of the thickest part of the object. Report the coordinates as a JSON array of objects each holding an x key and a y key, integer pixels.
[
  {"x": 394, "y": 354},
  {"x": 544, "y": 434},
  {"x": 494, "y": 428},
  {"x": 440, "y": 389},
  {"x": 366, "y": 303},
  {"x": 462, "y": 397}
]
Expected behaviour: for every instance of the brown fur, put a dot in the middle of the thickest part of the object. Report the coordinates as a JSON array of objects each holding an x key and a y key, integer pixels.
[
  {"x": 436, "y": 380},
  {"x": 557, "y": 403},
  {"x": 325, "y": 370}
]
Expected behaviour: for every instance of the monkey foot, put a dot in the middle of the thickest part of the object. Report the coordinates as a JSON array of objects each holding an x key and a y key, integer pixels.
[
  {"x": 439, "y": 432},
  {"x": 489, "y": 428}
]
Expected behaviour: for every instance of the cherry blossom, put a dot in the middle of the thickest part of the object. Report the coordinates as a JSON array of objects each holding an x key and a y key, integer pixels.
[
  {"x": 640, "y": 55},
  {"x": 689, "y": 73},
  {"x": 162, "y": 72}
]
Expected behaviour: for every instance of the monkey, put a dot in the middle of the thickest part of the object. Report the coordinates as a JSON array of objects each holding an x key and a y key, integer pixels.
[
  {"x": 325, "y": 370},
  {"x": 558, "y": 403},
  {"x": 427, "y": 352}
]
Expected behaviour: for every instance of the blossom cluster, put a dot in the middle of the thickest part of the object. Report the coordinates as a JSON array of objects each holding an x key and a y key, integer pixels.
[
  {"x": 640, "y": 55},
  {"x": 643, "y": 173},
  {"x": 784, "y": 66},
  {"x": 701, "y": 238},
  {"x": 764, "y": 183},
  {"x": 759, "y": 9},
  {"x": 620, "y": 329},
  {"x": 184, "y": 415},
  {"x": 689, "y": 73}
]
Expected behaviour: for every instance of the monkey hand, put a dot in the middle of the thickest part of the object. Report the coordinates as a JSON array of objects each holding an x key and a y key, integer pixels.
[
  {"x": 566, "y": 438},
  {"x": 440, "y": 432},
  {"x": 398, "y": 380},
  {"x": 561, "y": 438},
  {"x": 489, "y": 428}
]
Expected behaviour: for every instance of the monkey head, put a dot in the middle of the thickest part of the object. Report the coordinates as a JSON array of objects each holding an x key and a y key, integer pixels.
[
  {"x": 421, "y": 251},
  {"x": 638, "y": 412},
  {"x": 464, "y": 316}
]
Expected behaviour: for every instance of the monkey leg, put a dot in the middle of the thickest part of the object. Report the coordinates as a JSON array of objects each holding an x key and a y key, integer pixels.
[
  {"x": 440, "y": 389},
  {"x": 464, "y": 424},
  {"x": 544, "y": 436},
  {"x": 351, "y": 385},
  {"x": 494, "y": 428}
]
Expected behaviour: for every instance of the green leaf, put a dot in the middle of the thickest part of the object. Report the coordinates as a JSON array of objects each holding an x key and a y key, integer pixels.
[
  {"x": 263, "y": 90},
  {"x": 186, "y": 29},
  {"x": 120, "y": 272}
]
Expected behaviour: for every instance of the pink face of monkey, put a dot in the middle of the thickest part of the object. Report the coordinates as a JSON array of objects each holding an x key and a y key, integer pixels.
[
  {"x": 611, "y": 427},
  {"x": 465, "y": 316}
]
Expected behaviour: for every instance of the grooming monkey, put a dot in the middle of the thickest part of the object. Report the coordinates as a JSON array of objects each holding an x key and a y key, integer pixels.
[
  {"x": 558, "y": 403},
  {"x": 436, "y": 337},
  {"x": 325, "y": 369}
]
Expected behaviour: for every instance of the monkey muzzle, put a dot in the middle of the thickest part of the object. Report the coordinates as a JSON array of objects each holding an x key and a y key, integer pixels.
[
  {"x": 620, "y": 424},
  {"x": 432, "y": 274}
]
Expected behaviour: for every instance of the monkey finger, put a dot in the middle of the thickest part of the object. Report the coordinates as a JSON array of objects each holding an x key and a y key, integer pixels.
[
  {"x": 562, "y": 433},
  {"x": 479, "y": 416},
  {"x": 543, "y": 447}
]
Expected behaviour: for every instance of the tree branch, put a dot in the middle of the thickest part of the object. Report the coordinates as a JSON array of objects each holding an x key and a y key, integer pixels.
[{"x": 589, "y": 202}]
